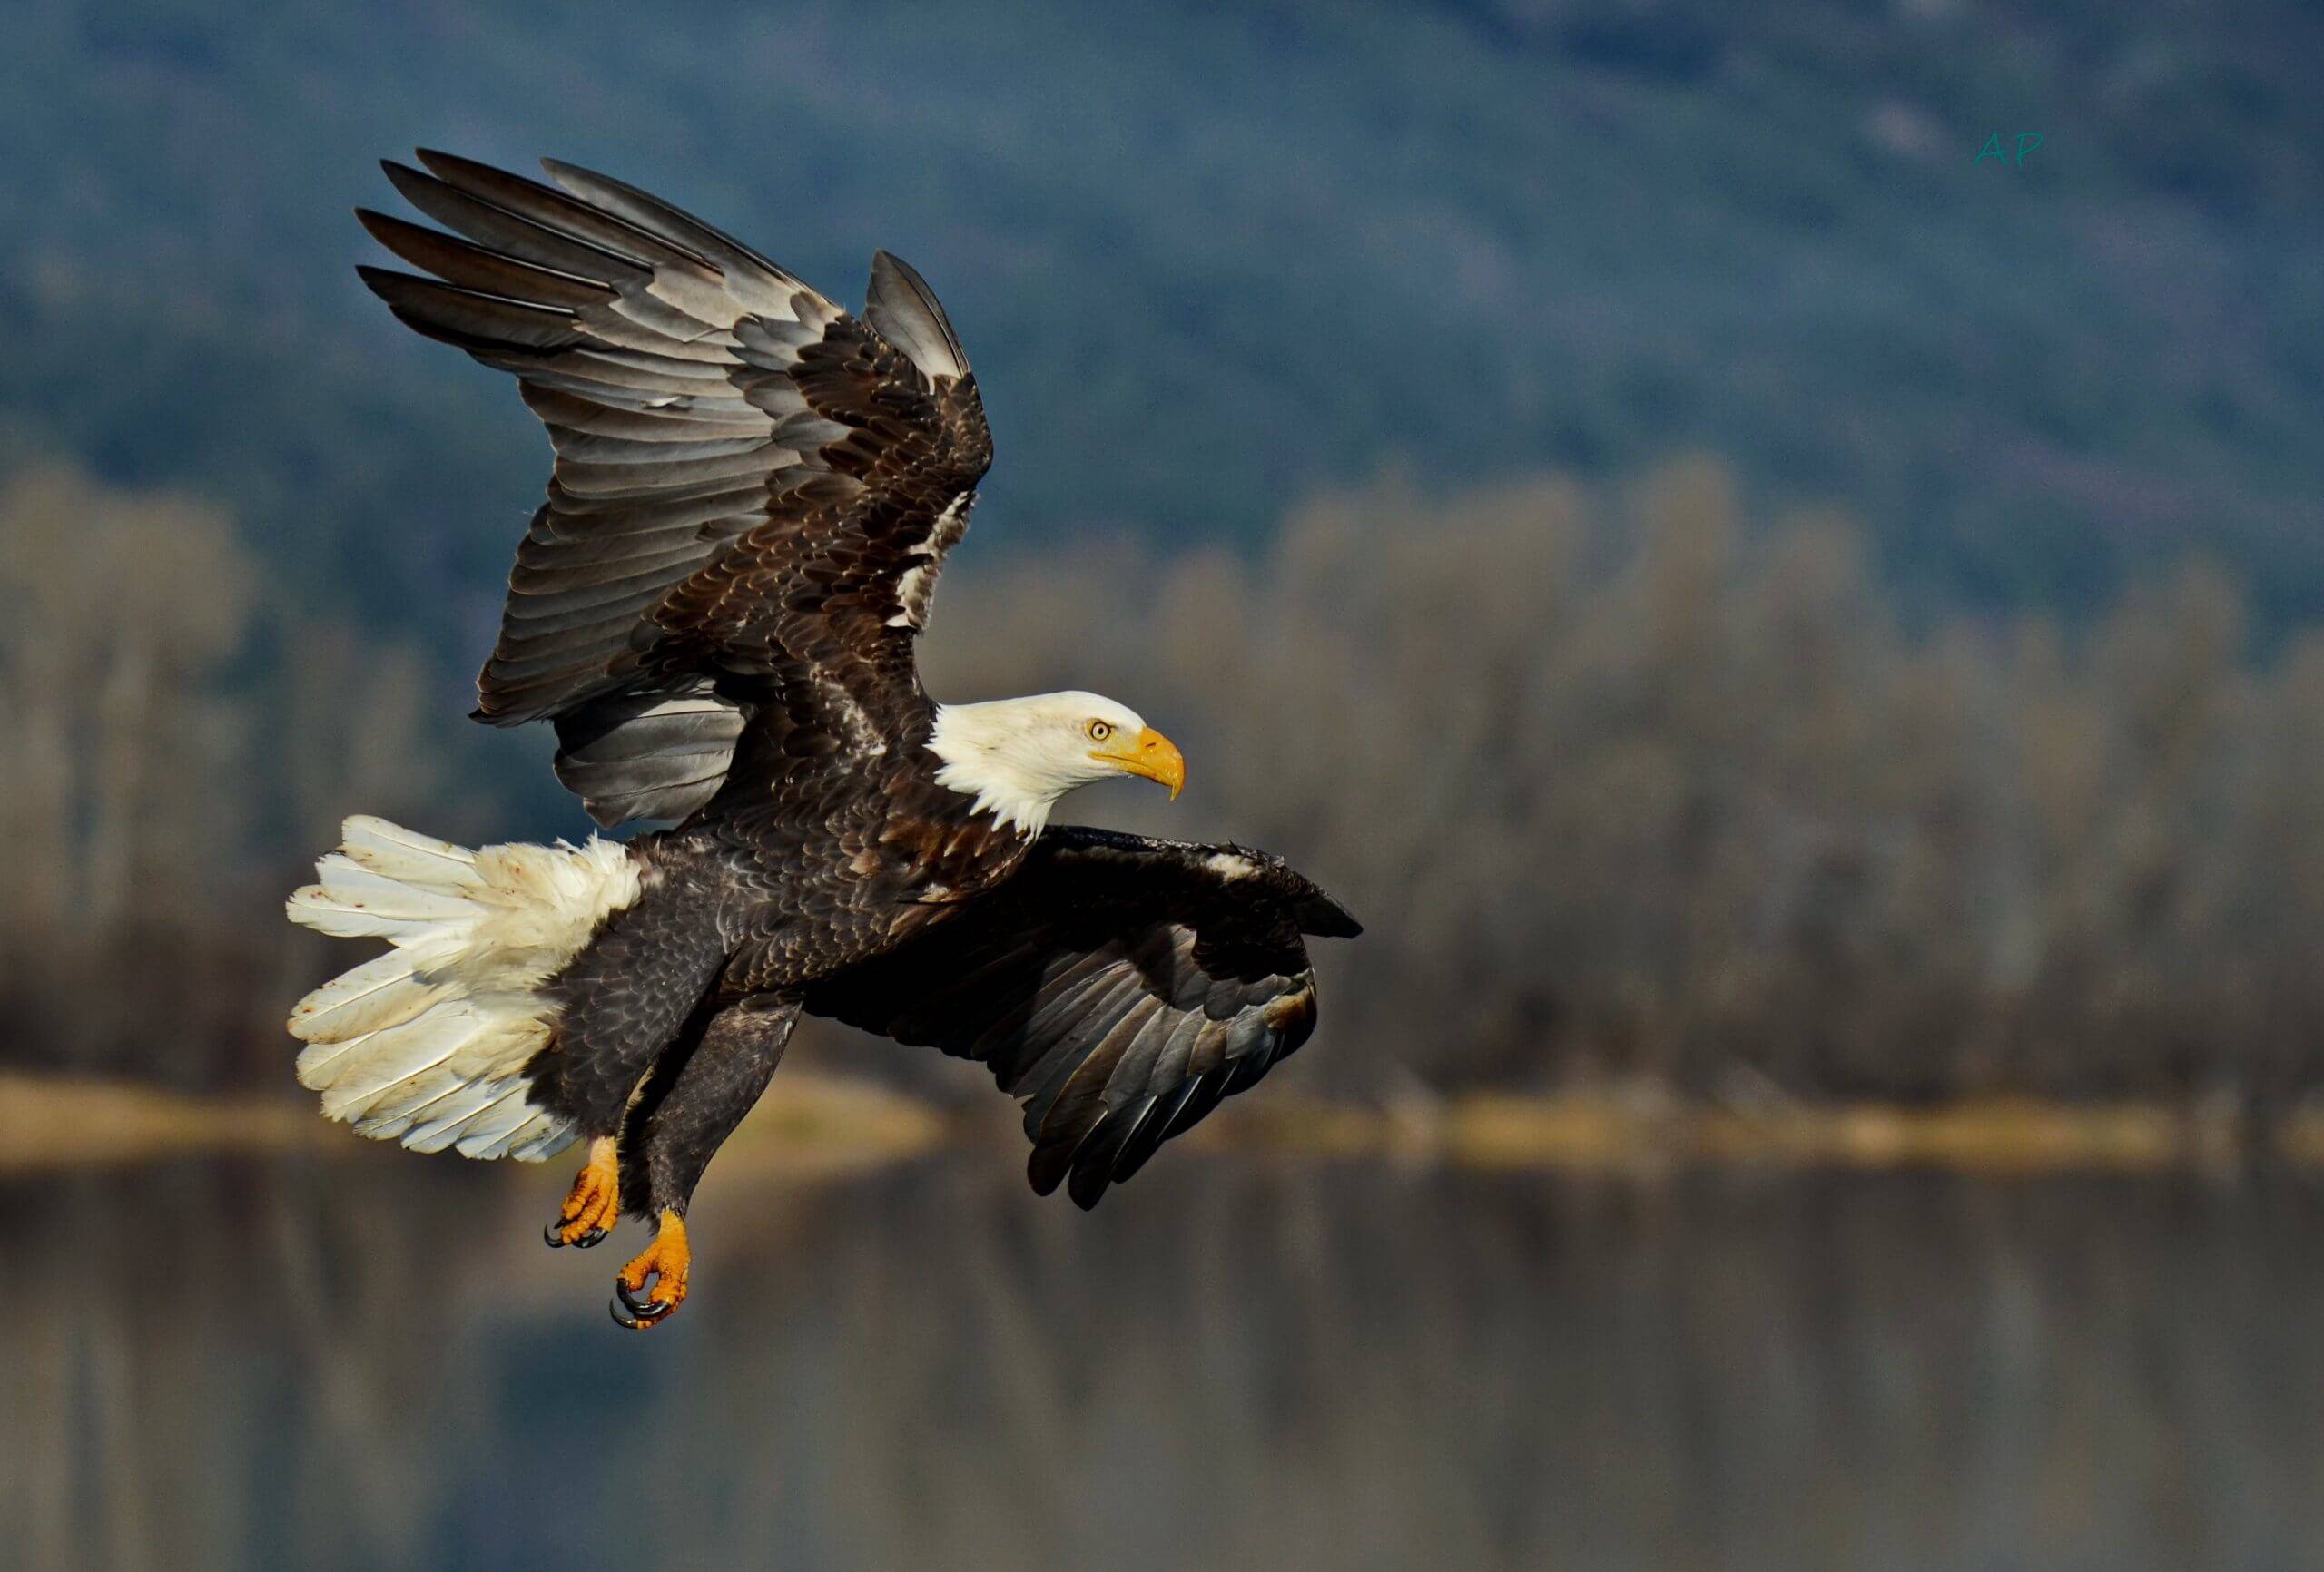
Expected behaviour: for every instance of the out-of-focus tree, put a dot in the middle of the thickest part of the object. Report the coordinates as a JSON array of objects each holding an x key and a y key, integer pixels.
[
  {"x": 1627, "y": 786},
  {"x": 116, "y": 611},
  {"x": 358, "y": 712},
  {"x": 141, "y": 763}
]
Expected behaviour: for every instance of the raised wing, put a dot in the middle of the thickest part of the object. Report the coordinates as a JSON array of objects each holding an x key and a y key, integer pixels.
[
  {"x": 754, "y": 489},
  {"x": 1118, "y": 987}
]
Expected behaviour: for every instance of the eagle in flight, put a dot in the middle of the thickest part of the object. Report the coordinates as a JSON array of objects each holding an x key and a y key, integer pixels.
[{"x": 754, "y": 493}]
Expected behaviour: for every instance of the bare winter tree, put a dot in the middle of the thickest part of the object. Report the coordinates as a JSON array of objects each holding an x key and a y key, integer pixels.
[
  {"x": 1640, "y": 788},
  {"x": 1627, "y": 785},
  {"x": 135, "y": 761}
]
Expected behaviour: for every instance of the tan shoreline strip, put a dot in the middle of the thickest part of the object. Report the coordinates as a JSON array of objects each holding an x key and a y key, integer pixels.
[
  {"x": 49, "y": 1123},
  {"x": 1606, "y": 1134},
  {"x": 826, "y": 1124}
]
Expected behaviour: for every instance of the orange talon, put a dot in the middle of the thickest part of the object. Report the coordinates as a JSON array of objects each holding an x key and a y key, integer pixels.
[
  {"x": 666, "y": 1260},
  {"x": 593, "y": 1205}
]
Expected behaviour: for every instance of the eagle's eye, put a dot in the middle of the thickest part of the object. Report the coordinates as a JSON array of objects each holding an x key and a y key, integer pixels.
[{"x": 1100, "y": 730}]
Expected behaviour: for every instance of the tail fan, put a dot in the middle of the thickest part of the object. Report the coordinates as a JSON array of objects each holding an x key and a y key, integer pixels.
[{"x": 427, "y": 1044}]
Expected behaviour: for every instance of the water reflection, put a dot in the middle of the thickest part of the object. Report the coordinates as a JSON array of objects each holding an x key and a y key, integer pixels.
[{"x": 1234, "y": 1363}]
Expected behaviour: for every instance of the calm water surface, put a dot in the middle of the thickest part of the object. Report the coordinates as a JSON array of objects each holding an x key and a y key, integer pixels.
[{"x": 1235, "y": 1363}]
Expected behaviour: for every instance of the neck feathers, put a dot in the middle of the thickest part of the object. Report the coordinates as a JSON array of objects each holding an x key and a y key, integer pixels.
[{"x": 985, "y": 754}]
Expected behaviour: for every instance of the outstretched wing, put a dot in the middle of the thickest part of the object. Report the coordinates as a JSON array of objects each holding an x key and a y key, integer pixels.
[
  {"x": 754, "y": 489},
  {"x": 1117, "y": 986}
]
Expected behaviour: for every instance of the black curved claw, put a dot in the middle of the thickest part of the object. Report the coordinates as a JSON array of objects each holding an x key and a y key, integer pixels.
[
  {"x": 646, "y": 1311},
  {"x": 555, "y": 1235},
  {"x": 637, "y": 1303}
]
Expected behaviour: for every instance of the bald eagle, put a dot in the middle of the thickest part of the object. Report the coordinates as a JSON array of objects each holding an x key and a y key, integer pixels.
[{"x": 754, "y": 493}]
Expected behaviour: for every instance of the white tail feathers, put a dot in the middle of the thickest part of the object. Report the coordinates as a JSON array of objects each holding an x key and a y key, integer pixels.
[{"x": 427, "y": 1044}]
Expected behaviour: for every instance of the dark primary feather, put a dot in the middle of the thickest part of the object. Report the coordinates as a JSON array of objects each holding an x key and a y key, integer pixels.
[
  {"x": 1120, "y": 986},
  {"x": 753, "y": 490}
]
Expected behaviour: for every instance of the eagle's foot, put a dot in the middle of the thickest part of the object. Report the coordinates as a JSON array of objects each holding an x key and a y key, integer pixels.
[
  {"x": 666, "y": 1260},
  {"x": 593, "y": 1205}
]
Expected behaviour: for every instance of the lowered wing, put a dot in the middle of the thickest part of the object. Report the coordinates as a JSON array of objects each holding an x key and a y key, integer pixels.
[{"x": 1118, "y": 987}]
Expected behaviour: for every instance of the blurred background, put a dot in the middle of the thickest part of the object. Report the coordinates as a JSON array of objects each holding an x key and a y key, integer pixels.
[{"x": 1773, "y": 554}]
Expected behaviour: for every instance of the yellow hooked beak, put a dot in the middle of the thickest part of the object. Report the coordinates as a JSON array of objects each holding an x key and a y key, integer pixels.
[{"x": 1149, "y": 754}]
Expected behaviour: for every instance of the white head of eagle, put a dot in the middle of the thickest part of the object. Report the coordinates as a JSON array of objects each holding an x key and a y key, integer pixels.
[{"x": 1017, "y": 756}]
